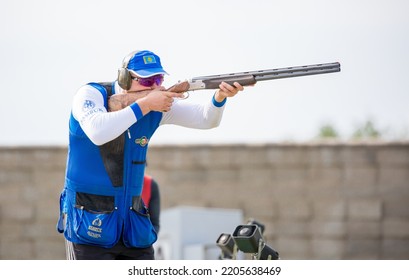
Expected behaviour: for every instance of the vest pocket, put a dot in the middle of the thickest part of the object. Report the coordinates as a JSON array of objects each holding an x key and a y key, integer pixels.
[
  {"x": 138, "y": 229},
  {"x": 95, "y": 219}
]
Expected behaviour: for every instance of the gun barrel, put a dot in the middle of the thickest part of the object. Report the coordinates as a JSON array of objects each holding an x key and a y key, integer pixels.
[
  {"x": 251, "y": 77},
  {"x": 270, "y": 74},
  {"x": 297, "y": 71}
]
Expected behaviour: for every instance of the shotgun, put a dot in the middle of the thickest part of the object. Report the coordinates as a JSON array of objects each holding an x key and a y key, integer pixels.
[
  {"x": 119, "y": 101},
  {"x": 251, "y": 77}
]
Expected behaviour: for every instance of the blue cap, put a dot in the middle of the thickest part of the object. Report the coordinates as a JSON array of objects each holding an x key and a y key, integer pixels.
[{"x": 145, "y": 64}]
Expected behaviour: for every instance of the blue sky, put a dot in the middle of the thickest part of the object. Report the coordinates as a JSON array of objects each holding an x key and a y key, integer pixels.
[{"x": 51, "y": 48}]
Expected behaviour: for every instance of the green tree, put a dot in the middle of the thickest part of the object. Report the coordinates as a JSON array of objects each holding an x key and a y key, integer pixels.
[
  {"x": 367, "y": 131},
  {"x": 328, "y": 131}
]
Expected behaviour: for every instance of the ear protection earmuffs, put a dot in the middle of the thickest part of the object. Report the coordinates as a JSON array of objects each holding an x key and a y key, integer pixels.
[{"x": 124, "y": 77}]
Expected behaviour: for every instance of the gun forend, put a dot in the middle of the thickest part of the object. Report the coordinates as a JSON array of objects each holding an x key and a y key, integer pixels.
[{"x": 251, "y": 77}]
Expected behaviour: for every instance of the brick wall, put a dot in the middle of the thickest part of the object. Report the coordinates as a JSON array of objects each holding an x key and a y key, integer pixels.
[{"x": 318, "y": 201}]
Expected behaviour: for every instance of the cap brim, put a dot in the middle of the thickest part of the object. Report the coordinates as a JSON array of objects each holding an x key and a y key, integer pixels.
[{"x": 146, "y": 73}]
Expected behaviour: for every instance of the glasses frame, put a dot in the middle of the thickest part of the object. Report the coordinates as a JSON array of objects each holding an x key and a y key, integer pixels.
[{"x": 150, "y": 81}]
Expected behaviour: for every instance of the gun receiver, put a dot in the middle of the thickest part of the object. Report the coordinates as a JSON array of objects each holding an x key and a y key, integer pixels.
[{"x": 251, "y": 77}]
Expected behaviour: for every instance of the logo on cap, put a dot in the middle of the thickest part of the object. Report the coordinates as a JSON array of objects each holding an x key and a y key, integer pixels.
[{"x": 148, "y": 59}]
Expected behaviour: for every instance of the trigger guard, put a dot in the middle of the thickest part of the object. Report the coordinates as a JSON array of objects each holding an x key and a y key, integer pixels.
[{"x": 185, "y": 95}]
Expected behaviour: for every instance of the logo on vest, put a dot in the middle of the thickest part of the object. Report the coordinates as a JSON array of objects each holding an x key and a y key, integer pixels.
[
  {"x": 95, "y": 230},
  {"x": 143, "y": 141},
  {"x": 97, "y": 222},
  {"x": 88, "y": 105}
]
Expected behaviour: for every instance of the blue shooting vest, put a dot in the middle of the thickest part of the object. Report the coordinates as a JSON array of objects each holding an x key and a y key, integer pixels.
[{"x": 101, "y": 200}]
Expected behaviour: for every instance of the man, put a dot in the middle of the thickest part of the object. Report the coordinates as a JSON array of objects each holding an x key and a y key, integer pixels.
[{"x": 102, "y": 213}]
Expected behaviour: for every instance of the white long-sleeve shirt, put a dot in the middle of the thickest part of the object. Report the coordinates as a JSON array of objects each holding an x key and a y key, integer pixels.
[{"x": 102, "y": 126}]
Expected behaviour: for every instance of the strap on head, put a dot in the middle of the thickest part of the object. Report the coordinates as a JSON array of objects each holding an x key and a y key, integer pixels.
[
  {"x": 128, "y": 58},
  {"x": 124, "y": 77}
]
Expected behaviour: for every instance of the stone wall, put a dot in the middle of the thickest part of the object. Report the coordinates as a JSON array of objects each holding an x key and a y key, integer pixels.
[{"x": 317, "y": 200}]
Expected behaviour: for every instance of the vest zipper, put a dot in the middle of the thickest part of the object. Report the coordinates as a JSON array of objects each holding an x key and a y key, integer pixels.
[{"x": 127, "y": 166}]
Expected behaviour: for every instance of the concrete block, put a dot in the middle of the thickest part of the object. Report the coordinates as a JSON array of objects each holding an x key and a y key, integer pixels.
[
  {"x": 17, "y": 212},
  {"x": 328, "y": 229},
  {"x": 223, "y": 175},
  {"x": 330, "y": 209},
  {"x": 294, "y": 209},
  {"x": 10, "y": 158},
  {"x": 15, "y": 178},
  {"x": 48, "y": 182},
  {"x": 394, "y": 180},
  {"x": 395, "y": 249},
  {"x": 39, "y": 230},
  {"x": 49, "y": 159},
  {"x": 291, "y": 248},
  {"x": 292, "y": 229},
  {"x": 185, "y": 176},
  {"x": 395, "y": 205},
  {"x": 203, "y": 157},
  {"x": 261, "y": 176},
  {"x": 325, "y": 182},
  {"x": 395, "y": 228},
  {"x": 362, "y": 249},
  {"x": 393, "y": 155},
  {"x": 9, "y": 193},
  {"x": 289, "y": 177},
  {"x": 49, "y": 249},
  {"x": 365, "y": 209},
  {"x": 360, "y": 181},
  {"x": 359, "y": 155},
  {"x": 271, "y": 230},
  {"x": 17, "y": 249},
  {"x": 364, "y": 229},
  {"x": 287, "y": 155},
  {"x": 10, "y": 230},
  {"x": 325, "y": 156},
  {"x": 249, "y": 155},
  {"x": 167, "y": 157},
  {"x": 327, "y": 249},
  {"x": 259, "y": 205}
]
